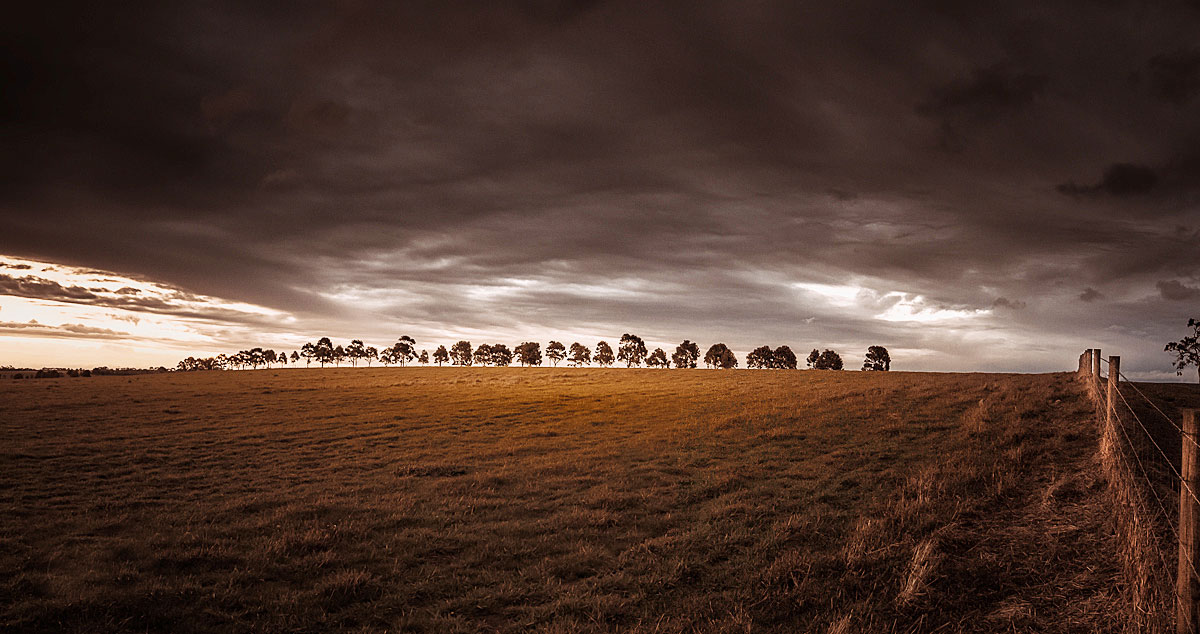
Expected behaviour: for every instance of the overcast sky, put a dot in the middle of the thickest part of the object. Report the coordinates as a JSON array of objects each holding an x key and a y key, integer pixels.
[{"x": 975, "y": 187}]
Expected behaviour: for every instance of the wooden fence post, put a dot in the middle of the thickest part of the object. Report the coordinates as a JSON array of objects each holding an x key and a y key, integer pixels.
[
  {"x": 1107, "y": 438},
  {"x": 1187, "y": 586},
  {"x": 1114, "y": 379},
  {"x": 1096, "y": 370},
  {"x": 1085, "y": 362}
]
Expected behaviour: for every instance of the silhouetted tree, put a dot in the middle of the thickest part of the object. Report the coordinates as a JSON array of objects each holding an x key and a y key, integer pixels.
[
  {"x": 323, "y": 351},
  {"x": 658, "y": 359},
  {"x": 355, "y": 351},
  {"x": 686, "y": 355},
  {"x": 761, "y": 357},
  {"x": 1187, "y": 350},
  {"x": 826, "y": 360},
  {"x": 501, "y": 356},
  {"x": 269, "y": 357},
  {"x": 604, "y": 354},
  {"x": 461, "y": 353},
  {"x": 783, "y": 358},
  {"x": 296, "y": 357},
  {"x": 877, "y": 360},
  {"x": 424, "y": 358},
  {"x": 339, "y": 355},
  {"x": 441, "y": 356},
  {"x": 556, "y": 352},
  {"x": 405, "y": 349},
  {"x": 282, "y": 358},
  {"x": 580, "y": 354},
  {"x": 483, "y": 354},
  {"x": 720, "y": 356},
  {"x": 387, "y": 357},
  {"x": 371, "y": 354},
  {"x": 631, "y": 350},
  {"x": 813, "y": 357},
  {"x": 529, "y": 353}
]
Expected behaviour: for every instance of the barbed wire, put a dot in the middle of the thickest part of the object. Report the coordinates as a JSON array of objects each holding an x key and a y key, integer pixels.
[
  {"x": 1185, "y": 487},
  {"x": 1166, "y": 515}
]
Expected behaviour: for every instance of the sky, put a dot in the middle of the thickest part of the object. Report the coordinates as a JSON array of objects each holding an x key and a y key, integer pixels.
[{"x": 975, "y": 186}]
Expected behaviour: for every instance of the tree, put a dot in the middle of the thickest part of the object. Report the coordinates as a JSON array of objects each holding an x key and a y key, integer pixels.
[
  {"x": 501, "y": 356},
  {"x": 355, "y": 351},
  {"x": 783, "y": 358},
  {"x": 441, "y": 356},
  {"x": 631, "y": 350},
  {"x": 1187, "y": 350},
  {"x": 657, "y": 359},
  {"x": 604, "y": 354},
  {"x": 371, "y": 353},
  {"x": 761, "y": 358},
  {"x": 461, "y": 353},
  {"x": 556, "y": 352},
  {"x": 483, "y": 354},
  {"x": 686, "y": 355},
  {"x": 826, "y": 360},
  {"x": 387, "y": 357},
  {"x": 424, "y": 358},
  {"x": 720, "y": 356},
  {"x": 323, "y": 351},
  {"x": 296, "y": 356},
  {"x": 405, "y": 349},
  {"x": 813, "y": 357},
  {"x": 269, "y": 357},
  {"x": 878, "y": 360},
  {"x": 580, "y": 354},
  {"x": 339, "y": 355},
  {"x": 529, "y": 353}
]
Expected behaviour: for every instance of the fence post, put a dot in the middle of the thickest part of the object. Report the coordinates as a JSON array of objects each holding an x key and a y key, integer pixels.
[
  {"x": 1110, "y": 421},
  {"x": 1114, "y": 378},
  {"x": 1096, "y": 370},
  {"x": 1085, "y": 362},
  {"x": 1186, "y": 585}
]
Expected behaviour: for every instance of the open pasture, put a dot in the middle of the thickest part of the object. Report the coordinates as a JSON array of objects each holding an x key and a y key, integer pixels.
[{"x": 508, "y": 499}]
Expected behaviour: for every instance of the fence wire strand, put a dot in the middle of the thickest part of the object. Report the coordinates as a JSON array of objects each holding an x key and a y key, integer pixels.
[{"x": 1184, "y": 486}]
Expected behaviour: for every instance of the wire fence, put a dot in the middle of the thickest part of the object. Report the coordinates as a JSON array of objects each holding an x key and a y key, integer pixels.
[{"x": 1142, "y": 444}]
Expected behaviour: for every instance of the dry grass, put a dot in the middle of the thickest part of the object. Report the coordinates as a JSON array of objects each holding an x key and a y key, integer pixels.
[
  {"x": 1140, "y": 455},
  {"x": 467, "y": 500}
]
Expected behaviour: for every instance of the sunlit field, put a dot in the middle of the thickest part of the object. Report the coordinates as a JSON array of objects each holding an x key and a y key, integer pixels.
[{"x": 512, "y": 500}]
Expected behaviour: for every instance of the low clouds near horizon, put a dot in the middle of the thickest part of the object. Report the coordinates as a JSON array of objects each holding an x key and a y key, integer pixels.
[{"x": 978, "y": 187}]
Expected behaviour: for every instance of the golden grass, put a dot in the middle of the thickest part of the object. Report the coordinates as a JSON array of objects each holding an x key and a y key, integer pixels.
[
  {"x": 555, "y": 500},
  {"x": 1140, "y": 455}
]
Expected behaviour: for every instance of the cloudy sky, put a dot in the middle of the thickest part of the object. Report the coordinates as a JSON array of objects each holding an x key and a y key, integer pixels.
[{"x": 975, "y": 187}]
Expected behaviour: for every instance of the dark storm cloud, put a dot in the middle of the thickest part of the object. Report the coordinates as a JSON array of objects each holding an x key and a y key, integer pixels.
[
  {"x": 1175, "y": 76},
  {"x": 175, "y": 302},
  {"x": 1176, "y": 291},
  {"x": 987, "y": 94},
  {"x": 676, "y": 167},
  {"x": 1120, "y": 179},
  {"x": 64, "y": 331}
]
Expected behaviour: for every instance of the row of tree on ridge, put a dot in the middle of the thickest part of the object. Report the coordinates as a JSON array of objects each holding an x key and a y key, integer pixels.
[{"x": 631, "y": 350}]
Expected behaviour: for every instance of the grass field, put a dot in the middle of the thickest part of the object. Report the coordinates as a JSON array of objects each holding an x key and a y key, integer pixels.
[{"x": 556, "y": 500}]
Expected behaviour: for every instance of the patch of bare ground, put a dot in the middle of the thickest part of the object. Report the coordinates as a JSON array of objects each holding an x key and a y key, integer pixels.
[{"x": 554, "y": 500}]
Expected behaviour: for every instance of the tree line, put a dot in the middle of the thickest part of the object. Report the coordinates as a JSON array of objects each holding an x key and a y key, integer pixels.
[{"x": 631, "y": 350}]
